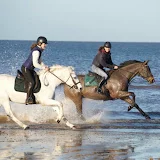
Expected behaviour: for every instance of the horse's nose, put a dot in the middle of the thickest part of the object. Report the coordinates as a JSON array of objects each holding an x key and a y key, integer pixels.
[
  {"x": 79, "y": 89},
  {"x": 151, "y": 79}
]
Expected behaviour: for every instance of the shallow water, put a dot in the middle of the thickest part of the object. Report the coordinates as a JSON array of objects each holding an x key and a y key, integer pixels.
[
  {"x": 48, "y": 142},
  {"x": 110, "y": 132}
]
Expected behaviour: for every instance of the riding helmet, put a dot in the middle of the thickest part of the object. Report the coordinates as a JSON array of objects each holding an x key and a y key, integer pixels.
[
  {"x": 107, "y": 45},
  {"x": 42, "y": 39}
]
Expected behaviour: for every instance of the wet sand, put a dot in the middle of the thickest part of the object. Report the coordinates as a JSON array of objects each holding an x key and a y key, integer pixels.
[
  {"x": 96, "y": 139},
  {"x": 89, "y": 142}
]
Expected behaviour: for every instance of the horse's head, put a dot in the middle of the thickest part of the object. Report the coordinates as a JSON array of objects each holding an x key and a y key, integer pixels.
[
  {"x": 74, "y": 81},
  {"x": 66, "y": 75},
  {"x": 145, "y": 72}
]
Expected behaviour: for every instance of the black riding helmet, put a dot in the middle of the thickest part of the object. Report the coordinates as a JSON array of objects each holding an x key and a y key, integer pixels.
[
  {"x": 42, "y": 39},
  {"x": 107, "y": 45}
]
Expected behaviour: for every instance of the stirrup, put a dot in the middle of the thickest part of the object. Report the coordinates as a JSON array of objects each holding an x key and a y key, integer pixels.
[{"x": 99, "y": 90}]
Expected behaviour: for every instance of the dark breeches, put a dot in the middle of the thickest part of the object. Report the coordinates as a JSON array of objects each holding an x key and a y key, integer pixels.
[{"x": 29, "y": 76}]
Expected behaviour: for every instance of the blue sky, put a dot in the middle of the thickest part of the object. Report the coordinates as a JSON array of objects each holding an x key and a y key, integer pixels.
[{"x": 81, "y": 20}]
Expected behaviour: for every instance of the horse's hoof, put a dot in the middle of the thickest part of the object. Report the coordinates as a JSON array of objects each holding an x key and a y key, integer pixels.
[
  {"x": 129, "y": 108},
  {"x": 74, "y": 128},
  {"x": 148, "y": 117},
  {"x": 26, "y": 127},
  {"x": 8, "y": 116}
]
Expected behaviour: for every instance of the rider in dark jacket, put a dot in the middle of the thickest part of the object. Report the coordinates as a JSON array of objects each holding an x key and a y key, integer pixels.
[
  {"x": 33, "y": 61},
  {"x": 103, "y": 60}
]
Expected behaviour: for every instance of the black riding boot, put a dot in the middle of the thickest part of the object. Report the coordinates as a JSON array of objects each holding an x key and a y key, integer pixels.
[
  {"x": 30, "y": 96},
  {"x": 99, "y": 90}
]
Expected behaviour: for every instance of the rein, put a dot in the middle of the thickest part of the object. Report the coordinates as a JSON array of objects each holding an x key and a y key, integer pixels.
[
  {"x": 65, "y": 81},
  {"x": 134, "y": 74},
  {"x": 129, "y": 79}
]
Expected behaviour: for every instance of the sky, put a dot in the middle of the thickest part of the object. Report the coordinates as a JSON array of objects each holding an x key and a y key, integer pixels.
[{"x": 81, "y": 20}]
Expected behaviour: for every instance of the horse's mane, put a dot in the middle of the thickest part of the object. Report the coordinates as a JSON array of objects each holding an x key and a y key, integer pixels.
[
  {"x": 128, "y": 62},
  {"x": 54, "y": 67}
]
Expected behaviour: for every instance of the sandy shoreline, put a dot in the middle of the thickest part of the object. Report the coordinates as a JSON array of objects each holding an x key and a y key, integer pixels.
[
  {"x": 52, "y": 141},
  {"x": 116, "y": 139}
]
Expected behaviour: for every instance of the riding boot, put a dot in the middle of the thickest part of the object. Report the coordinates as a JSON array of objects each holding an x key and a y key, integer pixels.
[
  {"x": 25, "y": 86},
  {"x": 99, "y": 90},
  {"x": 30, "y": 96},
  {"x": 36, "y": 81}
]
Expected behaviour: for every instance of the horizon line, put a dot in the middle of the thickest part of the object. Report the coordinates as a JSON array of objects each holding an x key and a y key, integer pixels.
[{"x": 84, "y": 41}]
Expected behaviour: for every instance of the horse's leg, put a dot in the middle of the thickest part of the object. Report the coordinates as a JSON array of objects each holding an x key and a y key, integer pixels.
[
  {"x": 9, "y": 112},
  {"x": 68, "y": 123},
  {"x": 133, "y": 104},
  {"x": 58, "y": 107},
  {"x": 142, "y": 112},
  {"x": 124, "y": 95},
  {"x": 76, "y": 97},
  {"x": 78, "y": 102}
]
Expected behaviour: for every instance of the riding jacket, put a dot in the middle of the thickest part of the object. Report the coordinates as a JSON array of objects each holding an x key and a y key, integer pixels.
[
  {"x": 34, "y": 60},
  {"x": 103, "y": 59}
]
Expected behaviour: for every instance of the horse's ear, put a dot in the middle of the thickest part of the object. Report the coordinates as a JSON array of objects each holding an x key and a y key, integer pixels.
[{"x": 146, "y": 62}]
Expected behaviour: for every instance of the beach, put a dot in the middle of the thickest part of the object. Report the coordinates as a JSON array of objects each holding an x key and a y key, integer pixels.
[{"x": 109, "y": 141}]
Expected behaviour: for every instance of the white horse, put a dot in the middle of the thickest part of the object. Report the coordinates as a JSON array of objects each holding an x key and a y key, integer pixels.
[{"x": 49, "y": 81}]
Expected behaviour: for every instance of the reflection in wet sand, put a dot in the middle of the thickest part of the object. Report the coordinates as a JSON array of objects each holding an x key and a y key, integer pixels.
[{"x": 51, "y": 142}]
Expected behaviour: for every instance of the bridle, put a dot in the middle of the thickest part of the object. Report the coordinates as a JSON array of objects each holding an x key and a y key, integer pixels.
[
  {"x": 70, "y": 76},
  {"x": 75, "y": 84}
]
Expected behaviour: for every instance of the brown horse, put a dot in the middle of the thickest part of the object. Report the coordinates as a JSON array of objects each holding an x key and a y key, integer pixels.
[{"x": 117, "y": 86}]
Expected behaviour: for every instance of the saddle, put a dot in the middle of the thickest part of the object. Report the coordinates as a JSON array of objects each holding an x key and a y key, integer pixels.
[
  {"x": 93, "y": 79},
  {"x": 20, "y": 83}
]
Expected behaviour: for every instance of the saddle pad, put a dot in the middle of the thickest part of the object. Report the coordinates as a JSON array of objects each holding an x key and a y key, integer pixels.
[
  {"x": 19, "y": 86},
  {"x": 90, "y": 81}
]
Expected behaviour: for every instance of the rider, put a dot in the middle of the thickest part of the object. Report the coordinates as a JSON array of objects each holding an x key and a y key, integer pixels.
[
  {"x": 33, "y": 61},
  {"x": 101, "y": 60}
]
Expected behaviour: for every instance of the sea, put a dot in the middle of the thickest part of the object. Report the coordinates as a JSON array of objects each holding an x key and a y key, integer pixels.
[
  {"x": 80, "y": 55},
  {"x": 111, "y": 115}
]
